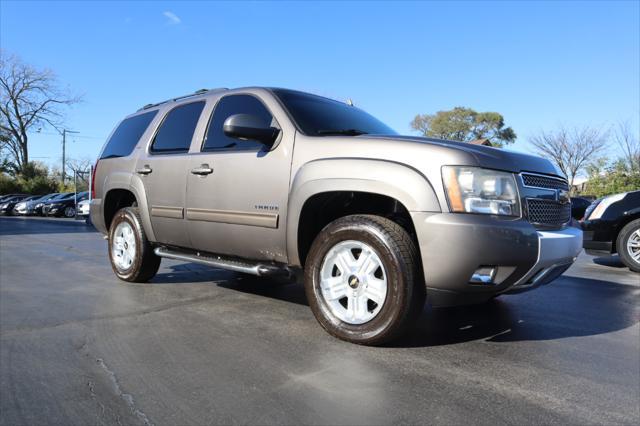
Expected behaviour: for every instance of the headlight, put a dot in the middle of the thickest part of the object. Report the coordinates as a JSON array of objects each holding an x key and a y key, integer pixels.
[
  {"x": 599, "y": 210},
  {"x": 476, "y": 190}
]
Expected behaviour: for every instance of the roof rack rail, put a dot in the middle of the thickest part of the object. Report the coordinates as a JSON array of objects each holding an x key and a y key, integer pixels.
[{"x": 196, "y": 93}]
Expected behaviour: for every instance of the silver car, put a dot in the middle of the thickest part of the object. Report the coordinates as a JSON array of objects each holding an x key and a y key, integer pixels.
[{"x": 275, "y": 182}]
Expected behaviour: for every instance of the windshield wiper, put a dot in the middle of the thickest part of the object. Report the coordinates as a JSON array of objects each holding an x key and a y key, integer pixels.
[{"x": 344, "y": 132}]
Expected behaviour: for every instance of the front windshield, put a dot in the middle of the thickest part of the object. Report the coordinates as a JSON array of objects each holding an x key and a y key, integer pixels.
[{"x": 318, "y": 116}]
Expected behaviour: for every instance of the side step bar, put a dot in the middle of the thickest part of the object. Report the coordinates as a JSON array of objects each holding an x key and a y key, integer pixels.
[{"x": 230, "y": 264}]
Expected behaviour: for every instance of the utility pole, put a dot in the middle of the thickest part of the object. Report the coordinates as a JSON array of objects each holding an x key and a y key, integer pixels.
[{"x": 64, "y": 152}]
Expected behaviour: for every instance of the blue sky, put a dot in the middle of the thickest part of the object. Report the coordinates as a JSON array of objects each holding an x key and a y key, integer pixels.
[{"x": 540, "y": 64}]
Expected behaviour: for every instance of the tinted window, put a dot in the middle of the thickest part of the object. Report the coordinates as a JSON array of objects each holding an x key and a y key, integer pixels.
[
  {"x": 230, "y": 105},
  {"x": 177, "y": 129},
  {"x": 127, "y": 135},
  {"x": 317, "y": 116}
]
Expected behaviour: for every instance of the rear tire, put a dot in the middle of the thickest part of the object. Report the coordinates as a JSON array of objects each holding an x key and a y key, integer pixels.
[
  {"x": 130, "y": 252},
  {"x": 628, "y": 245},
  {"x": 369, "y": 301}
]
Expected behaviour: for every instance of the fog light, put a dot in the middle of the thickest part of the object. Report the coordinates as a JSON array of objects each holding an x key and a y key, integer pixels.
[{"x": 483, "y": 275}]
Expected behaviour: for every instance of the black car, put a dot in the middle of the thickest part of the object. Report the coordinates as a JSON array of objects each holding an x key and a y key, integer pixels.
[
  {"x": 8, "y": 203},
  {"x": 63, "y": 206},
  {"x": 579, "y": 206},
  {"x": 612, "y": 225},
  {"x": 35, "y": 207}
]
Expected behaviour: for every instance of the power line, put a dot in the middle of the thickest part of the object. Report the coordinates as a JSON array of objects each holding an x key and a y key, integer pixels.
[{"x": 76, "y": 136}]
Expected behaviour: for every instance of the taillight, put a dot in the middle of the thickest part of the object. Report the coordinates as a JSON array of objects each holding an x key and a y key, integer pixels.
[{"x": 93, "y": 180}]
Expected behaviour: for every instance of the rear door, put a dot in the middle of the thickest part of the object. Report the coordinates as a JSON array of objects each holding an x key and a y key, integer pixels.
[{"x": 163, "y": 170}]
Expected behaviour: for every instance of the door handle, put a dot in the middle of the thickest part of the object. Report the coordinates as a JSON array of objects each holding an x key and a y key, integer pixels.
[
  {"x": 203, "y": 170},
  {"x": 145, "y": 170}
]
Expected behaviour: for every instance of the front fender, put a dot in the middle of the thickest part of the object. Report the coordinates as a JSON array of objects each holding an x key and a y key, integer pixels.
[{"x": 395, "y": 180}]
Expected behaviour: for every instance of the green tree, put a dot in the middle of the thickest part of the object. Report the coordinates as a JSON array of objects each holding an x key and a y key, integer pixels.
[
  {"x": 33, "y": 179},
  {"x": 465, "y": 125}
]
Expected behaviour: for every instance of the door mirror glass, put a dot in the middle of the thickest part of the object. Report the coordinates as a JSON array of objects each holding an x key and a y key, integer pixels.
[{"x": 250, "y": 127}]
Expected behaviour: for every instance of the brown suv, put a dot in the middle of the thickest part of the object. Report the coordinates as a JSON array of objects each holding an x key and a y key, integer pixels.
[{"x": 273, "y": 182}]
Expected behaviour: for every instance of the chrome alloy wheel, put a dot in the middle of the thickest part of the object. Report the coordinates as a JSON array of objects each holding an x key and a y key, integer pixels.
[
  {"x": 633, "y": 245},
  {"x": 69, "y": 212},
  {"x": 353, "y": 282},
  {"x": 123, "y": 248}
]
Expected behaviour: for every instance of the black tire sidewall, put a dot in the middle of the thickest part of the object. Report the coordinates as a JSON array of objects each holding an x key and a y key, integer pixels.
[
  {"x": 398, "y": 282},
  {"x": 621, "y": 245},
  {"x": 128, "y": 215}
]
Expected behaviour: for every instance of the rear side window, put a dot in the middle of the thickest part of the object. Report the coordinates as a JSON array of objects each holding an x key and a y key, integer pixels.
[
  {"x": 127, "y": 135},
  {"x": 216, "y": 140},
  {"x": 176, "y": 131}
]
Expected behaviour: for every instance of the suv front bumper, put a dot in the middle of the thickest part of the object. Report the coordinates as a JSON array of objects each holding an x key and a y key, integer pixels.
[{"x": 454, "y": 246}]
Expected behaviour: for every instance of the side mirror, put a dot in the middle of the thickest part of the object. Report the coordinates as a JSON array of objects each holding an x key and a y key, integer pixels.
[{"x": 249, "y": 127}]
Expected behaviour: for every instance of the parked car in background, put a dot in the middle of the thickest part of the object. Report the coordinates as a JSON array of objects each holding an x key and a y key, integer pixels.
[
  {"x": 6, "y": 197},
  {"x": 612, "y": 225},
  {"x": 38, "y": 205},
  {"x": 20, "y": 207},
  {"x": 83, "y": 208},
  {"x": 29, "y": 207},
  {"x": 578, "y": 207},
  {"x": 7, "y": 204},
  {"x": 63, "y": 206}
]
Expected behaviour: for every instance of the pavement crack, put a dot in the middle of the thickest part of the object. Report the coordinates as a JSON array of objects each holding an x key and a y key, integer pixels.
[{"x": 126, "y": 397}]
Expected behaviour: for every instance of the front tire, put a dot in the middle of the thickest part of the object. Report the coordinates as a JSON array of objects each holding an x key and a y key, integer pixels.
[
  {"x": 362, "y": 279},
  {"x": 131, "y": 254},
  {"x": 628, "y": 245}
]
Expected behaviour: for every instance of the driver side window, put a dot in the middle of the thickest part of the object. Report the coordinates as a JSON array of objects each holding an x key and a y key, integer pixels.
[{"x": 216, "y": 140}]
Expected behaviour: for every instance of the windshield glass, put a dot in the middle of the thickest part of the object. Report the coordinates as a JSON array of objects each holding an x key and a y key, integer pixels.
[{"x": 318, "y": 116}]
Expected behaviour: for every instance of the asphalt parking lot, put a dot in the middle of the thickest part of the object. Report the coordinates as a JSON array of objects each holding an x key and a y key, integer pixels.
[{"x": 202, "y": 346}]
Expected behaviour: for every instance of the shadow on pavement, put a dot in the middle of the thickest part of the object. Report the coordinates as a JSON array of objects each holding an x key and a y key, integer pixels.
[
  {"x": 188, "y": 273},
  {"x": 568, "y": 307},
  {"x": 612, "y": 261},
  {"x": 16, "y": 225}
]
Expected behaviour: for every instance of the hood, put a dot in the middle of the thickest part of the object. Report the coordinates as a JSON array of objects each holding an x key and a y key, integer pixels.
[{"x": 485, "y": 156}]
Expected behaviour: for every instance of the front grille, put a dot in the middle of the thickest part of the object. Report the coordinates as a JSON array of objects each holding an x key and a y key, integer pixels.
[
  {"x": 547, "y": 182},
  {"x": 547, "y": 212}
]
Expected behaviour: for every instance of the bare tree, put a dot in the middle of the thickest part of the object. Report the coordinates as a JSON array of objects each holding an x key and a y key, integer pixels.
[
  {"x": 571, "y": 150},
  {"x": 629, "y": 143},
  {"x": 28, "y": 98},
  {"x": 81, "y": 168}
]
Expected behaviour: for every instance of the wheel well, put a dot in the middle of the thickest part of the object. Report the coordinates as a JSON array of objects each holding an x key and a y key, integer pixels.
[
  {"x": 321, "y": 209},
  {"x": 114, "y": 201},
  {"x": 622, "y": 224}
]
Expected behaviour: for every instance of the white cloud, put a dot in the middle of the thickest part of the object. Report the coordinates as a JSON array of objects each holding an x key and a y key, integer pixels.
[{"x": 172, "y": 18}]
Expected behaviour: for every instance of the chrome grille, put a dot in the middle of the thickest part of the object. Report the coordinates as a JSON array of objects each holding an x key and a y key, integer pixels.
[
  {"x": 547, "y": 182},
  {"x": 548, "y": 212}
]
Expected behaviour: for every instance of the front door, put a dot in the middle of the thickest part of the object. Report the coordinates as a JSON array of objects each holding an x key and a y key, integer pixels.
[
  {"x": 237, "y": 190},
  {"x": 163, "y": 170}
]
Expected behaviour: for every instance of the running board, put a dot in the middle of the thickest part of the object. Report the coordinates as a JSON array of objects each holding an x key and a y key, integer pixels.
[{"x": 230, "y": 264}]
